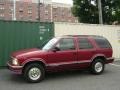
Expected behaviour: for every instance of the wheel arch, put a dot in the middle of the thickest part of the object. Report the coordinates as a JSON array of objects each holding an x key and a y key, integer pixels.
[
  {"x": 102, "y": 57},
  {"x": 33, "y": 61}
]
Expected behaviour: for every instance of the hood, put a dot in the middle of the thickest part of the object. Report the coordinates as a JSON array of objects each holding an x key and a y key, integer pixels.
[{"x": 26, "y": 52}]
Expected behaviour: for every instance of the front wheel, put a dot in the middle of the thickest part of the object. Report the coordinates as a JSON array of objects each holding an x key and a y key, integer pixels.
[
  {"x": 97, "y": 66},
  {"x": 34, "y": 73}
]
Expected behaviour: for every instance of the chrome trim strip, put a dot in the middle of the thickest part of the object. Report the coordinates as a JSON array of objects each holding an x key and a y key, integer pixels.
[
  {"x": 110, "y": 58},
  {"x": 16, "y": 67},
  {"x": 73, "y": 62}
]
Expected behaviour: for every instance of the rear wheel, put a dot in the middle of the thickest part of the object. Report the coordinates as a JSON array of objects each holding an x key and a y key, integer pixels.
[
  {"x": 34, "y": 73},
  {"x": 97, "y": 66}
]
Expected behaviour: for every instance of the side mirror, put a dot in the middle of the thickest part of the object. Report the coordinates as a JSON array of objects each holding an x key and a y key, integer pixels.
[{"x": 55, "y": 49}]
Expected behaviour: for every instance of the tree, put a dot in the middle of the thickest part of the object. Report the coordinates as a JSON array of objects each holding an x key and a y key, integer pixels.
[{"x": 87, "y": 11}]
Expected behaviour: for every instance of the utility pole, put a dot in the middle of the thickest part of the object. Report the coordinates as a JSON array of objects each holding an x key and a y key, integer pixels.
[
  {"x": 100, "y": 12},
  {"x": 14, "y": 10},
  {"x": 38, "y": 10},
  {"x": 51, "y": 12}
]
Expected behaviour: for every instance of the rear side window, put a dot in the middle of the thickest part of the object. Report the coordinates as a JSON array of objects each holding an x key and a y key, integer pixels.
[
  {"x": 102, "y": 43},
  {"x": 84, "y": 43}
]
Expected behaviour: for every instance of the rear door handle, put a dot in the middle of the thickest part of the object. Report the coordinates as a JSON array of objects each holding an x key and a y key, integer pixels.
[
  {"x": 93, "y": 51},
  {"x": 74, "y": 53}
]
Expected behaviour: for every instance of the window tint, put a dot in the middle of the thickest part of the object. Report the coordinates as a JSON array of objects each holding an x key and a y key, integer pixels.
[
  {"x": 102, "y": 43},
  {"x": 66, "y": 44},
  {"x": 84, "y": 44}
]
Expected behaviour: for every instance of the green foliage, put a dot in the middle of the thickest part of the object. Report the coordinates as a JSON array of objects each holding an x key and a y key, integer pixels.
[{"x": 87, "y": 11}]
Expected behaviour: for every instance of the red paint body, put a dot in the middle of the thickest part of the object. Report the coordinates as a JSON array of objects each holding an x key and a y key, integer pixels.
[{"x": 62, "y": 60}]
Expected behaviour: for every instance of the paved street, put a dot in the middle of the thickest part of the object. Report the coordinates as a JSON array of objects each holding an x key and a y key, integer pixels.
[{"x": 77, "y": 80}]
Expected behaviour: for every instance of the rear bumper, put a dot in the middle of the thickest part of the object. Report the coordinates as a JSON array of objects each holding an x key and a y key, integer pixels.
[
  {"x": 15, "y": 69},
  {"x": 110, "y": 60}
]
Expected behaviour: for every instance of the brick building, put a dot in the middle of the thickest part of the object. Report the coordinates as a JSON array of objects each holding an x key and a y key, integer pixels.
[{"x": 28, "y": 11}]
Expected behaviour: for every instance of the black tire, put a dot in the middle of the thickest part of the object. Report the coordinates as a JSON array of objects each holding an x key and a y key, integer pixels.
[
  {"x": 94, "y": 64},
  {"x": 27, "y": 75}
]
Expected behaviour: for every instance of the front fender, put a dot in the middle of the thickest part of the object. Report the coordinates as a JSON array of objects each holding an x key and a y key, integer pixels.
[{"x": 33, "y": 60}]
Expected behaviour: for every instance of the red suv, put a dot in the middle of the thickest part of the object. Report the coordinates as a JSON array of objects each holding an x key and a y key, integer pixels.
[{"x": 71, "y": 52}]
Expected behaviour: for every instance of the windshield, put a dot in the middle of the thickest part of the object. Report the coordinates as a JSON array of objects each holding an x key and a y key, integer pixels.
[{"x": 50, "y": 44}]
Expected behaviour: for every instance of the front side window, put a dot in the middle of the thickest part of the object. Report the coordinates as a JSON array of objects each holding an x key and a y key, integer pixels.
[
  {"x": 84, "y": 43},
  {"x": 50, "y": 44},
  {"x": 65, "y": 44}
]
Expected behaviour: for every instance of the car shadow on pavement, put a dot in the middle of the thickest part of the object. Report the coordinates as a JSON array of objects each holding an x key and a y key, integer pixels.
[
  {"x": 17, "y": 78},
  {"x": 13, "y": 78},
  {"x": 58, "y": 76},
  {"x": 71, "y": 75}
]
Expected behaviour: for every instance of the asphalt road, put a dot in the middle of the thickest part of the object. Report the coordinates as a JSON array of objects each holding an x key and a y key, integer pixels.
[{"x": 76, "y": 80}]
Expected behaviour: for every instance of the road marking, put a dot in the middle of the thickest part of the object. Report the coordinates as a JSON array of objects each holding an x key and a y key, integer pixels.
[{"x": 115, "y": 65}]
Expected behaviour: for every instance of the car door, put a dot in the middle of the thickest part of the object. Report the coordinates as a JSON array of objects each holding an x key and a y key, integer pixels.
[
  {"x": 86, "y": 51},
  {"x": 65, "y": 55}
]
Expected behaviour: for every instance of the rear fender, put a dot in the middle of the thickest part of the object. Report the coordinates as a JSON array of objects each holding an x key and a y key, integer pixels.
[{"x": 97, "y": 55}]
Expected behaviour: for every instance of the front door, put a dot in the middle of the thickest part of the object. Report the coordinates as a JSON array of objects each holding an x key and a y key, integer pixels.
[{"x": 64, "y": 56}]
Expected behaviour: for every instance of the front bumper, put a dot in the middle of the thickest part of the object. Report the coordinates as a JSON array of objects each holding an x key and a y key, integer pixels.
[
  {"x": 110, "y": 60},
  {"x": 15, "y": 69}
]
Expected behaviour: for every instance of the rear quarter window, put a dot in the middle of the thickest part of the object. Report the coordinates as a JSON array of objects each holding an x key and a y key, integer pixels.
[{"x": 102, "y": 43}]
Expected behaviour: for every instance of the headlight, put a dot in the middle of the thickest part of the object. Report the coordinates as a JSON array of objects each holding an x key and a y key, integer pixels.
[{"x": 15, "y": 61}]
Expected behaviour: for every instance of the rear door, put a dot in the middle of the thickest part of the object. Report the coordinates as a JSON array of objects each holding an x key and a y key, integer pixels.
[{"x": 86, "y": 51}]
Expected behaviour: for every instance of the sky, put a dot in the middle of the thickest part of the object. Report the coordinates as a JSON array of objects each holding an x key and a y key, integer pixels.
[{"x": 63, "y": 1}]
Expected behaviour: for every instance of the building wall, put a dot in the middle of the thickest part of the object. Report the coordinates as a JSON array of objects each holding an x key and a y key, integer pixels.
[
  {"x": 28, "y": 11},
  {"x": 24, "y": 11},
  {"x": 112, "y": 33}
]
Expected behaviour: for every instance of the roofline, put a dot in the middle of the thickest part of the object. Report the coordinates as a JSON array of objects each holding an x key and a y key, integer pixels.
[{"x": 81, "y": 36}]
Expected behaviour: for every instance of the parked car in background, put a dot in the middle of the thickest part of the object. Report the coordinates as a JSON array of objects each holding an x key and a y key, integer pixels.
[{"x": 70, "y": 52}]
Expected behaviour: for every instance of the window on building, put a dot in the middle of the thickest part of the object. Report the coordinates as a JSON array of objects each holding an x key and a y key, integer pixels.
[
  {"x": 10, "y": 7},
  {"x": 21, "y": 9},
  {"x": 1, "y": 16},
  {"x": 1, "y": 2},
  {"x": 29, "y": 11},
  {"x": 46, "y": 12},
  {"x": 37, "y": 18},
  {"x": 63, "y": 13},
  {"x": 21, "y": 16},
  {"x": 76, "y": 21},
  {"x": 46, "y": 6},
  {"x": 29, "y": 7},
  {"x": 2, "y": 11},
  {"x": 55, "y": 15},
  {"x": 46, "y": 18},
  {"x": 10, "y": 12},
  {"x": 55, "y": 7},
  {"x": 2, "y": 7}
]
